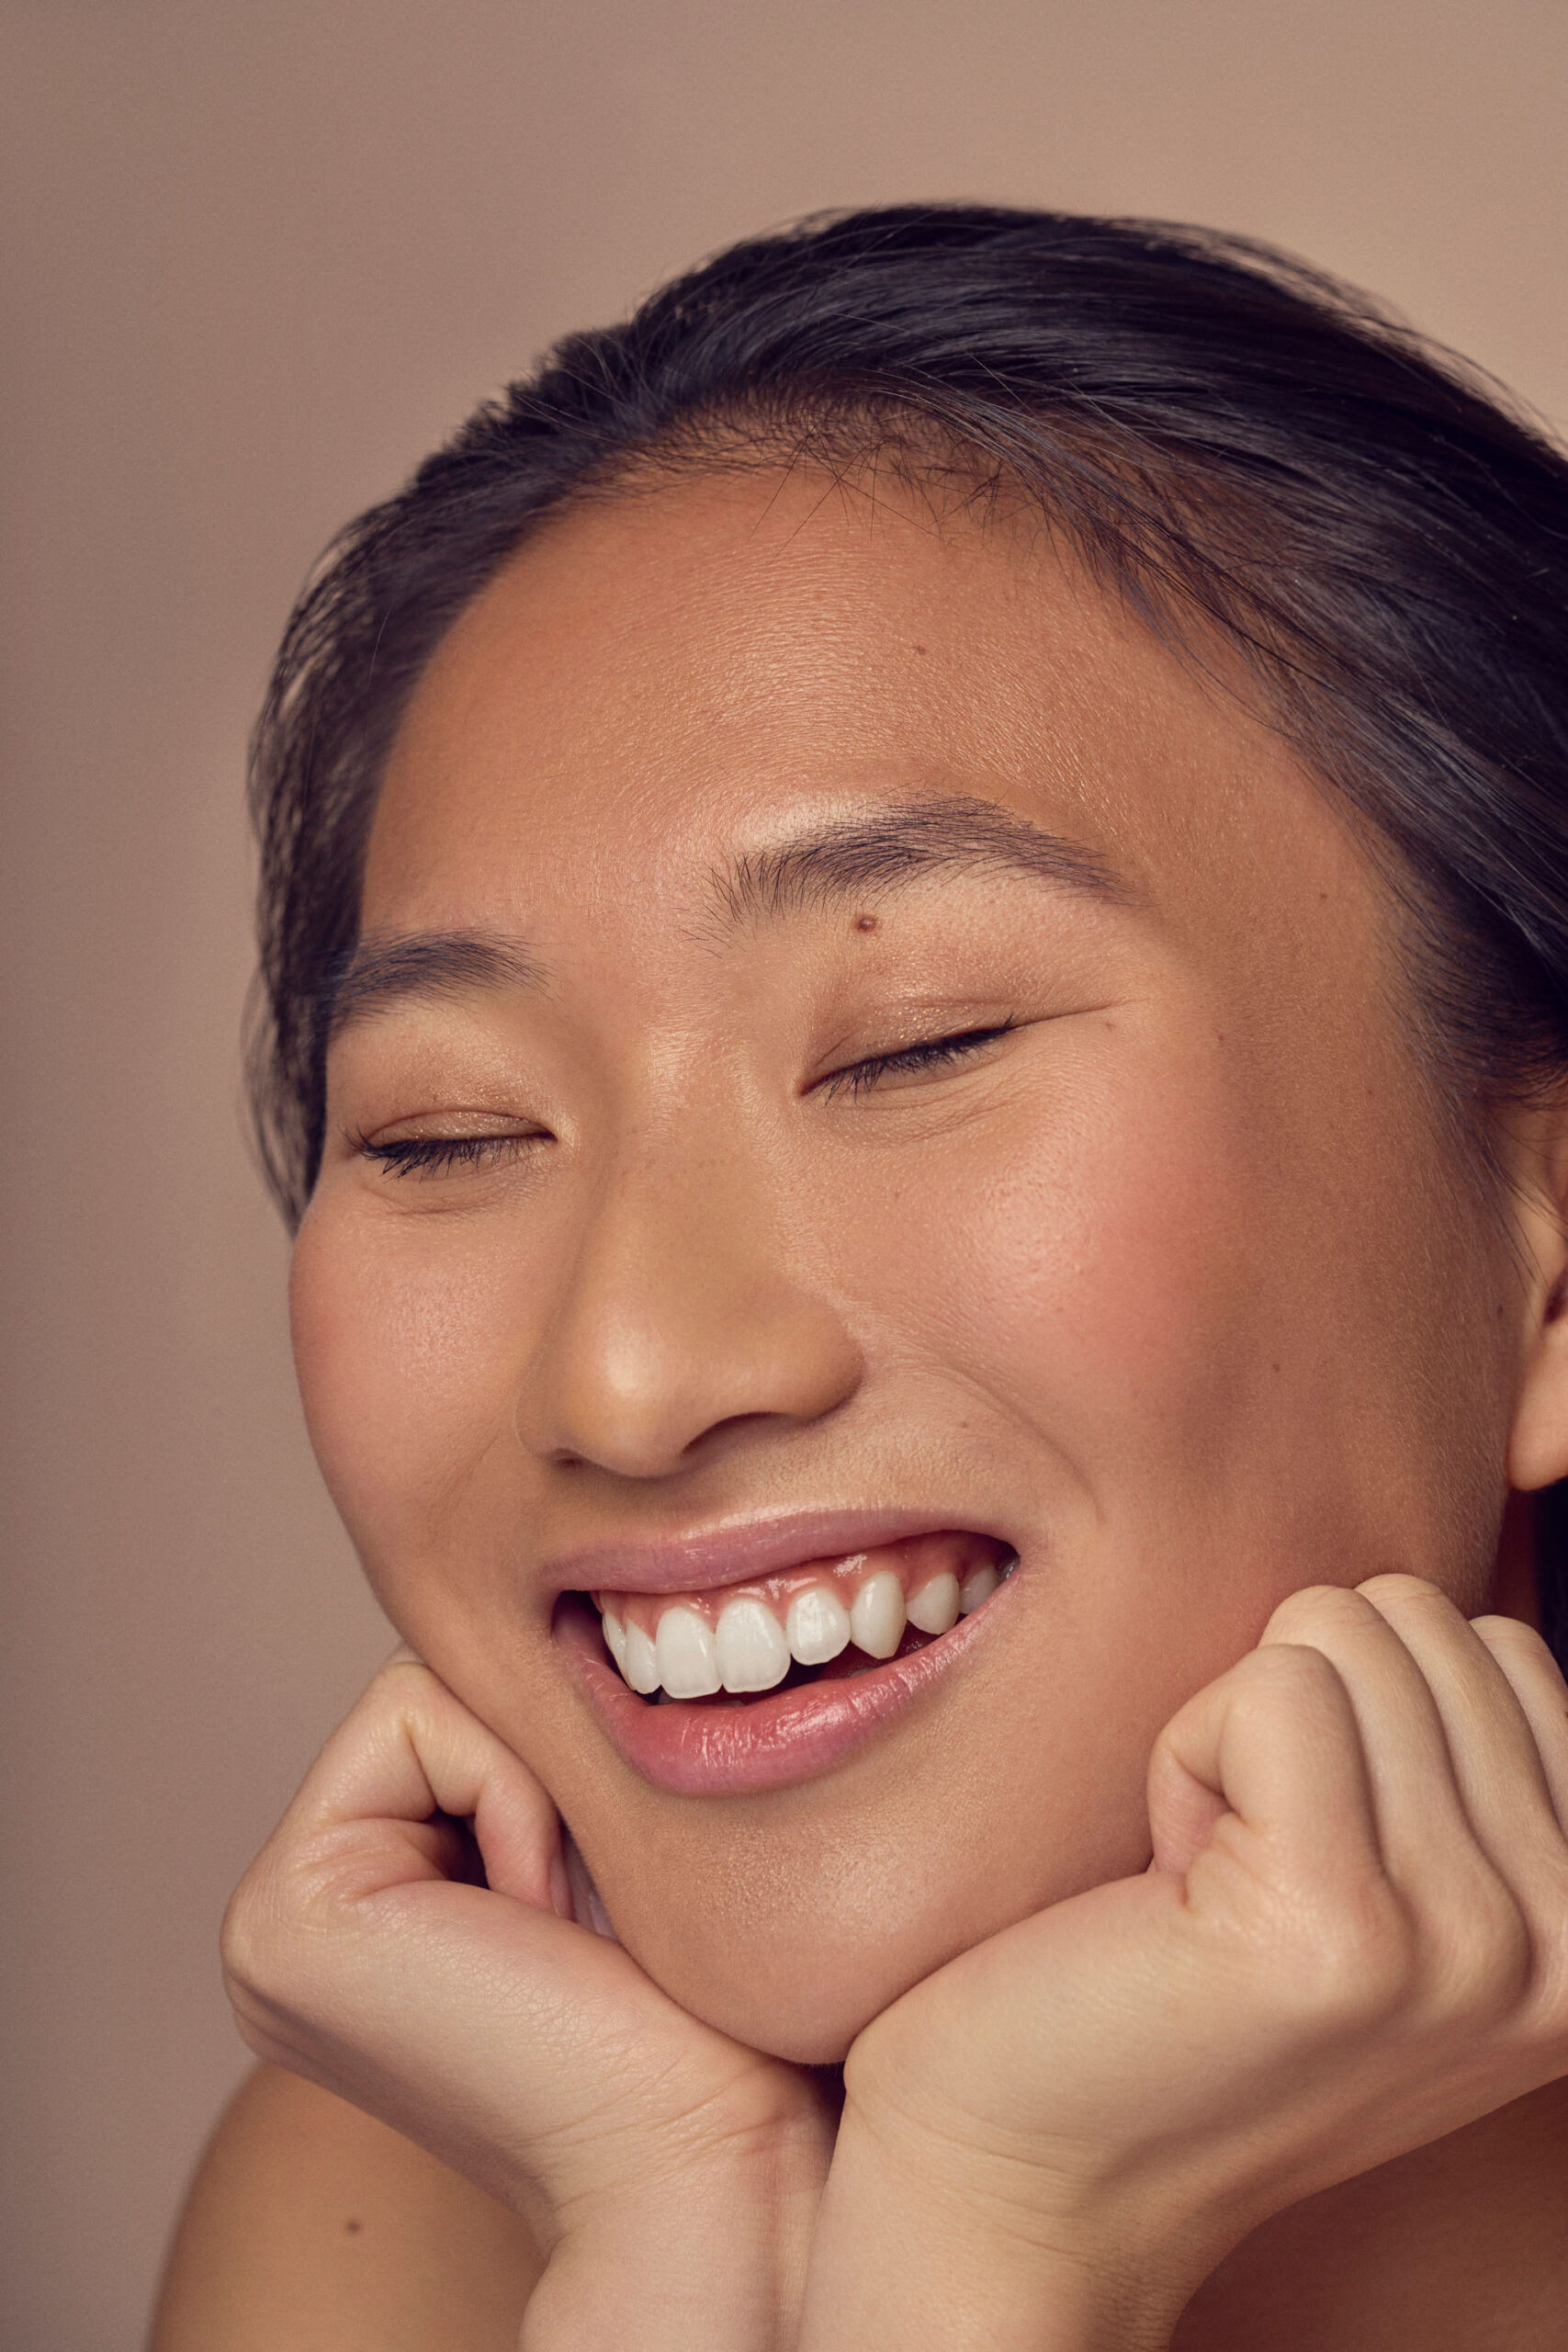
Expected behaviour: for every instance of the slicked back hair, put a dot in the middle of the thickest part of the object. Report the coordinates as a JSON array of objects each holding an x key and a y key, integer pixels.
[{"x": 1227, "y": 437}]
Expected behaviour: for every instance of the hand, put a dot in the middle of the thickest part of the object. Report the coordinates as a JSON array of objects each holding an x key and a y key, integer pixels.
[
  {"x": 670, "y": 2176},
  {"x": 1352, "y": 1939}
]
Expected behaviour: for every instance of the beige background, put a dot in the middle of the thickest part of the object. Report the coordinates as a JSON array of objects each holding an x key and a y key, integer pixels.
[{"x": 256, "y": 256}]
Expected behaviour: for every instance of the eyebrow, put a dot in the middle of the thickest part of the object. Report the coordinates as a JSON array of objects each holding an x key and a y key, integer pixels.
[
  {"x": 866, "y": 856},
  {"x": 382, "y": 971},
  {"x": 850, "y": 857}
]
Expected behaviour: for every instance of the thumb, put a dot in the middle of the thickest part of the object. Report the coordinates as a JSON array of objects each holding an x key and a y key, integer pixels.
[{"x": 408, "y": 1753}]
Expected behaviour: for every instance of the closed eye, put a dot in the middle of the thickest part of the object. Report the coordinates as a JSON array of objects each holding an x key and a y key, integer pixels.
[
  {"x": 443, "y": 1155},
  {"x": 931, "y": 1053}
]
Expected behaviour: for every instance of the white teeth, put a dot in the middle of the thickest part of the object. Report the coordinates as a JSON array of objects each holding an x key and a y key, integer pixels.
[
  {"x": 817, "y": 1626},
  {"x": 934, "y": 1608},
  {"x": 877, "y": 1614},
  {"x": 749, "y": 1645},
  {"x": 749, "y": 1650},
  {"x": 687, "y": 1661},
  {"x": 978, "y": 1585},
  {"x": 639, "y": 1666}
]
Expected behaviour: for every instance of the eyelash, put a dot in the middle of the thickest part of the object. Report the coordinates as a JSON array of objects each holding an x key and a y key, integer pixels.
[
  {"x": 859, "y": 1078},
  {"x": 431, "y": 1155}
]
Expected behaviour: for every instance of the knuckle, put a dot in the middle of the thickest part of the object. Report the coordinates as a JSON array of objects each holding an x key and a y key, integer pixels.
[
  {"x": 1315, "y": 1608},
  {"x": 266, "y": 1976},
  {"x": 262, "y": 1943},
  {"x": 1479, "y": 1958},
  {"x": 243, "y": 1942},
  {"x": 1338, "y": 1962},
  {"x": 1395, "y": 1588},
  {"x": 1551, "y": 1987},
  {"x": 1364, "y": 1961},
  {"x": 250, "y": 1943},
  {"x": 1511, "y": 1638},
  {"x": 1287, "y": 1666},
  {"x": 1412, "y": 1606},
  {"x": 1290, "y": 1673}
]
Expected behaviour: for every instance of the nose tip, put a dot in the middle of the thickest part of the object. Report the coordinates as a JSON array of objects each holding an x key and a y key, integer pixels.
[
  {"x": 681, "y": 1315},
  {"x": 639, "y": 1394}
]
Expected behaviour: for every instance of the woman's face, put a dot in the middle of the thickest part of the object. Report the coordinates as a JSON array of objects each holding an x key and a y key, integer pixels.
[{"x": 666, "y": 1243}]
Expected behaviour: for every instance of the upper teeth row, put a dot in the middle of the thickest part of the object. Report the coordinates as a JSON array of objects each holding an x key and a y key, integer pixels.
[{"x": 747, "y": 1649}]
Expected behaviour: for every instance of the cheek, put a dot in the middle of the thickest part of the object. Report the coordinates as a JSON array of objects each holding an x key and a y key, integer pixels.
[
  {"x": 1098, "y": 1277},
  {"x": 406, "y": 1359}
]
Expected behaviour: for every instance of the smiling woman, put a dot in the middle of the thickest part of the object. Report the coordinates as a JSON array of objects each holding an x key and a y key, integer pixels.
[{"x": 915, "y": 1019}]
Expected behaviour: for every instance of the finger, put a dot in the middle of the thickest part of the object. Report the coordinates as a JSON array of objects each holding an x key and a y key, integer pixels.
[
  {"x": 1275, "y": 1742},
  {"x": 410, "y": 1751},
  {"x": 1536, "y": 1679},
  {"x": 1492, "y": 1750},
  {"x": 1423, "y": 1829}
]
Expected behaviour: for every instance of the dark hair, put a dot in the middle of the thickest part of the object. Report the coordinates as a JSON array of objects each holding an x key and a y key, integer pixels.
[{"x": 1220, "y": 432}]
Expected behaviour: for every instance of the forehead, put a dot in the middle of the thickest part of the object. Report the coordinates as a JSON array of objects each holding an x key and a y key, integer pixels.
[{"x": 659, "y": 681}]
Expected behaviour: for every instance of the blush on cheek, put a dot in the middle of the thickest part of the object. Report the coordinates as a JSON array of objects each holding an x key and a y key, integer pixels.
[{"x": 1105, "y": 1280}]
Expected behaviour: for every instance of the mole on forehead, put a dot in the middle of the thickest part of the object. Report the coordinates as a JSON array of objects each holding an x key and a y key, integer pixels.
[
  {"x": 854, "y": 855},
  {"x": 846, "y": 859}
]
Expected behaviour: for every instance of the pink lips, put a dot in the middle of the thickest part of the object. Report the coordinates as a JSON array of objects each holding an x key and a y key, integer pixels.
[{"x": 720, "y": 1747}]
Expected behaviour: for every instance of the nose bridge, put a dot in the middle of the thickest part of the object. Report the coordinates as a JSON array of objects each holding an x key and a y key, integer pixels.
[{"x": 682, "y": 1310}]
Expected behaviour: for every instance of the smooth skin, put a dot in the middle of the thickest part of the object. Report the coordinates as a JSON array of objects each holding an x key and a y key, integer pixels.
[{"x": 1180, "y": 1272}]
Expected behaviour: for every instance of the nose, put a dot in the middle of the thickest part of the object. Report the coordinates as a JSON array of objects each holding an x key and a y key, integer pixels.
[{"x": 682, "y": 1316}]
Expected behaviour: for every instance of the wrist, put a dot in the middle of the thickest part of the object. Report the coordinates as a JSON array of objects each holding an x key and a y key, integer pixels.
[
  {"x": 942, "y": 2243},
  {"x": 697, "y": 2280},
  {"x": 712, "y": 2253}
]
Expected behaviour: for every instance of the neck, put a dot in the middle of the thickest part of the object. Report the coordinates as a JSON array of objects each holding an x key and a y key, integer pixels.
[{"x": 1461, "y": 2243}]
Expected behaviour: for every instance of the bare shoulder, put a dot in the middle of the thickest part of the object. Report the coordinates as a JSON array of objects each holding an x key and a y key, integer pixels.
[{"x": 311, "y": 2227}]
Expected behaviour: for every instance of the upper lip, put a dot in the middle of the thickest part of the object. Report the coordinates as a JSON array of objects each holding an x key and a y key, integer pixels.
[{"x": 740, "y": 1551}]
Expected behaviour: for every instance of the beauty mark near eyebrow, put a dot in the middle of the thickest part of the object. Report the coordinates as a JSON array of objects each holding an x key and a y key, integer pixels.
[
  {"x": 853, "y": 856},
  {"x": 847, "y": 858},
  {"x": 392, "y": 969}
]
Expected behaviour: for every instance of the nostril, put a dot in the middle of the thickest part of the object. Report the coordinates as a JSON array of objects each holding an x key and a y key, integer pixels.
[{"x": 677, "y": 1325}]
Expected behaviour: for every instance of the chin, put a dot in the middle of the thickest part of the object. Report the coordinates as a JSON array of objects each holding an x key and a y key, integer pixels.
[
  {"x": 802, "y": 2005},
  {"x": 792, "y": 1939}
]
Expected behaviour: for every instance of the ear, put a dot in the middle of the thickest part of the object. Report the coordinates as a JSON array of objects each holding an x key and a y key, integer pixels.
[{"x": 1538, "y": 1441}]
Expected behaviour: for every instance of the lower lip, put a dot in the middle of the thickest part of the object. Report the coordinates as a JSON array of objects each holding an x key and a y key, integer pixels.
[{"x": 705, "y": 1748}]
